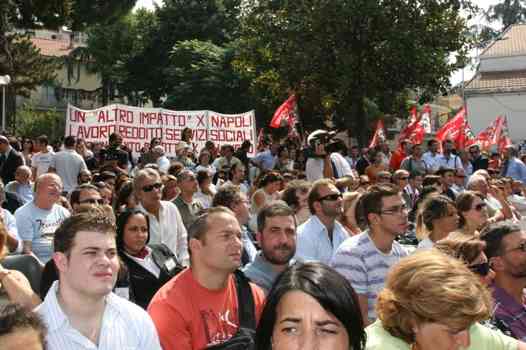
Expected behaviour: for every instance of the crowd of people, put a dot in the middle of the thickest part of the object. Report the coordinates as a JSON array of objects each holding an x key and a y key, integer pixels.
[{"x": 317, "y": 246}]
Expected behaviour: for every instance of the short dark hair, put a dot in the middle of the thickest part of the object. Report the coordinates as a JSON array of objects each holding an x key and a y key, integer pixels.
[
  {"x": 74, "y": 197},
  {"x": 276, "y": 208},
  {"x": 371, "y": 201},
  {"x": 330, "y": 289},
  {"x": 290, "y": 193},
  {"x": 95, "y": 219},
  {"x": 14, "y": 317},
  {"x": 202, "y": 176},
  {"x": 314, "y": 194},
  {"x": 70, "y": 141},
  {"x": 43, "y": 140},
  {"x": 493, "y": 235},
  {"x": 113, "y": 137},
  {"x": 432, "y": 209},
  {"x": 227, "y": 196},
  {"x": 198, "y": 228}
]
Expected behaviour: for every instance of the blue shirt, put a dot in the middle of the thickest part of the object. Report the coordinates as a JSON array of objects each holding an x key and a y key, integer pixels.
[
  {"x": 266, "y": 159},
  {"x": 38, "y": 226},
  {"x": 516, "y": 170}
]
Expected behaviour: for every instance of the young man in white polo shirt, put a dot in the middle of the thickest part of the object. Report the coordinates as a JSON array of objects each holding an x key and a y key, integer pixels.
[{"x": 80, "y": 311}]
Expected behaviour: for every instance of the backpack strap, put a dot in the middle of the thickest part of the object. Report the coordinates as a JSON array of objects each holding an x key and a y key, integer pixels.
[{"x": 245, "y": 301}]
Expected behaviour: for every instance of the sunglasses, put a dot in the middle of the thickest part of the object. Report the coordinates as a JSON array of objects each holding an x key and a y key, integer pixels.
[
  {"x": 480, "y": 206},
  {"x": 92, "y": 201},
  {"x": 404, "y": 178},
  {"x": 151, "y": 187},
  {"x": 330, "y": 197},
  {"x": 480, "y": 269}
]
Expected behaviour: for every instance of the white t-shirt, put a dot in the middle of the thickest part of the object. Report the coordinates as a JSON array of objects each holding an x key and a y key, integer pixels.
[
  {"x": 68, "y": 165},
  {"x": 41, "y": 162}
]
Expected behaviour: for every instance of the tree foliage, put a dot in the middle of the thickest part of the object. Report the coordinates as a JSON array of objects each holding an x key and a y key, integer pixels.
[
  {"x": 335, "y": 54},
  {"x": 507, "y": 12},
  {"x": 201, "y": 77}
]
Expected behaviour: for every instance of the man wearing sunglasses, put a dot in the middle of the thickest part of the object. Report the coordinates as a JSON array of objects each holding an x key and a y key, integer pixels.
[
  {"x": 166, "y": 224},
  {"x": 320, "y": 236},
  {"x": 506, "y": 251},
  {"x": 366, "y": 258}
]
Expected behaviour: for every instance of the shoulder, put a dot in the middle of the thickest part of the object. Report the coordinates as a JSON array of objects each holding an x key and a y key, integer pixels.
[
  {"x": 380, "y": 339},
  {"x": 483, "y": 338},
  {"x": 24, "y": 210}
]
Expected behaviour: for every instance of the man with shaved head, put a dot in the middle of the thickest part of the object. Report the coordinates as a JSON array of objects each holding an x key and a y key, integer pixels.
[{"x": 37, "y": 220}]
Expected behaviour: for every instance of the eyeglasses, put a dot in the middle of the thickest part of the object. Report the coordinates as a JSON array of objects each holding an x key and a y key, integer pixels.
[
  {"x": 151, "y": 187},
  {"x": 399, "y": 209},
  {"x": 480, "y": 269},
  {"x": 330, "y": 197},
  {"x": 92, "y": 201},
  {"x": 521, "y": 247},
  {"x": 480, "y": 206}
]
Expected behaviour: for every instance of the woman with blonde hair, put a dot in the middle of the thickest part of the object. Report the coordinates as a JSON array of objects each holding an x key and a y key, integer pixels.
[
  {"x": 433, "y": 301},
  {"x": 436, "y": 218},
  {"x": 348, "y": 220}
]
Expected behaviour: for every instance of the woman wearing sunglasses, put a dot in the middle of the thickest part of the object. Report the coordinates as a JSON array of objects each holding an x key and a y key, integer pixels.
[{"x": 473, "y": 213}]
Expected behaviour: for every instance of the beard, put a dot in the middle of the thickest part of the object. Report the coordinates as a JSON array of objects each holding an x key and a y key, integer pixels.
[{"x": 279, "y": 255}]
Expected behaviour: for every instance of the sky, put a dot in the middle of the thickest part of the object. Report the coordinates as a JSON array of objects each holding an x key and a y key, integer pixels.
[{"x": 466, "y": 74}]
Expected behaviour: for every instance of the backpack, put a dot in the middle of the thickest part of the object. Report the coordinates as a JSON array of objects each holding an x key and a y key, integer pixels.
[{"x": 244, "y": 339}]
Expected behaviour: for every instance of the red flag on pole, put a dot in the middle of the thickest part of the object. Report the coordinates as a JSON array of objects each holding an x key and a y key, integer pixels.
[
  {"x": 379, "y": 134},
  {"x": 285, "y": 114},
  {"x": 495, "y": 134},
  {"x": 414, "y": 132},
  {"x": 413, "y": 114},
  {"x": 454, "y": 129}
]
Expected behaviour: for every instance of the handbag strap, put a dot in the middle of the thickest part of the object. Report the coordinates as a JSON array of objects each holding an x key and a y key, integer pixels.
[{"x": 245, "y": 301}]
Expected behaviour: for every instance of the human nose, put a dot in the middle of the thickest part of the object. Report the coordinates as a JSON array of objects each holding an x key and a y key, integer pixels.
[{"x": 309, "y": 341}]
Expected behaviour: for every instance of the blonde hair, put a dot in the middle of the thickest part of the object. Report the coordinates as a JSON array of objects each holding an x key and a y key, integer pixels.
[
  {"x": 466, "y": 249},
  {"x": 429, "y": 287}
]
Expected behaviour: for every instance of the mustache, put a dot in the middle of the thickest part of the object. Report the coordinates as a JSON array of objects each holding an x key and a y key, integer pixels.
[{"x": 283, "y": 247}]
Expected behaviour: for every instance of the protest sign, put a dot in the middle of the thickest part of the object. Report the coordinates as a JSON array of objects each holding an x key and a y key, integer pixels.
[{"x": 138, "y": 126}]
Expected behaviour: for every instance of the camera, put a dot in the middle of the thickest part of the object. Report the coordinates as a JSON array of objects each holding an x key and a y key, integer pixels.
[{"x": 322, "y": 137}]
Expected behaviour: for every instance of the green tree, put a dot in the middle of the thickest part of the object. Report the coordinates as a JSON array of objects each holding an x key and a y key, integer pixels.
[
  {"x": 507, "y": 12},
  {"x": 201, "y": 77},
  {"x": 337, "y": 54},
  {"x": 20, "y": 59},
  {"x": 179, "y": 20},
  {"x": 33, "y": 123}
]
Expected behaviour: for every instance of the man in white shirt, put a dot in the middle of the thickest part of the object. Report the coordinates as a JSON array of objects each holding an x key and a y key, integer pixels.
[
  {"x": 42, "y": 160},
  {"x": 80, "y": 310},
  {"x": 320, "y": 236},
  {"x": 166, "y": 224},
  {"x": 68, "y": 164}
]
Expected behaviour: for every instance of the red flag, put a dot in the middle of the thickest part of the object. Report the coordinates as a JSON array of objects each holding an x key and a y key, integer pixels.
[
  {"x": 413, "y": 115},
  {"x": 414, "y": 132},
  {"x": 495, "y": 134},
  {"x": 454, "y": 129},
  {"x": 285, "y": 114},
  {"x": 379, "y": 134}
]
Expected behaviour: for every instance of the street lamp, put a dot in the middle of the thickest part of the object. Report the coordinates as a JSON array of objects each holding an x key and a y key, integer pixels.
[{"x": 4, "y": 81}]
